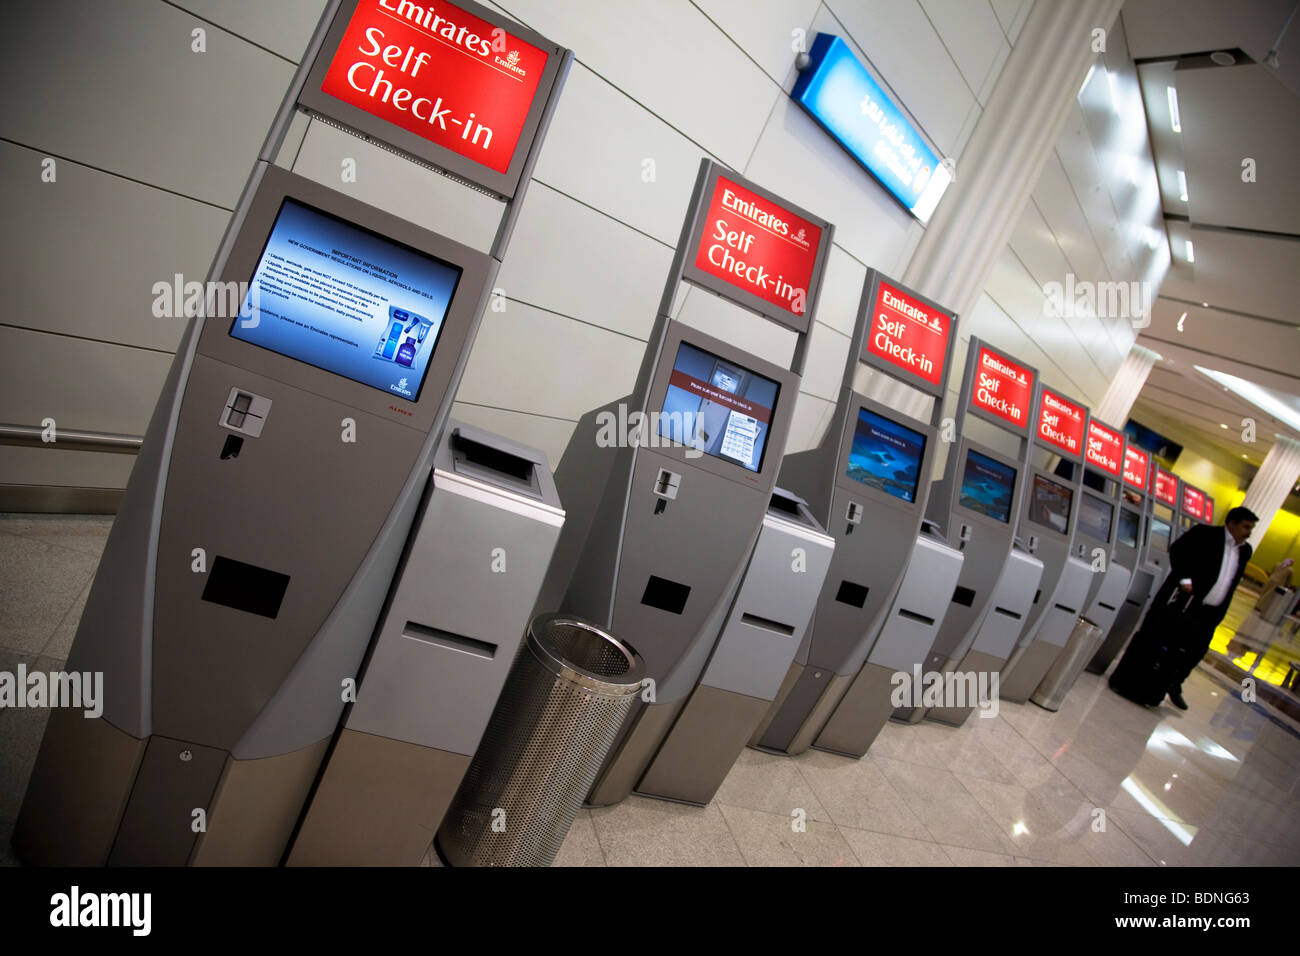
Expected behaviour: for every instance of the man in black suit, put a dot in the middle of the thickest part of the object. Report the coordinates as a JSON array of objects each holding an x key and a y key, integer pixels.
[{"x": 1205, "y": 565}]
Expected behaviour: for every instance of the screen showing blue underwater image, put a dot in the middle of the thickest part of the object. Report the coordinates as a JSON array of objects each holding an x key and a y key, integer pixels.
[
  {"x": 886, "y": 456},
  {"x": 987, "y": 486}
]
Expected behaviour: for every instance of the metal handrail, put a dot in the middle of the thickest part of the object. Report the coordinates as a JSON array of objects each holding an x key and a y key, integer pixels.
[{"x": 69, "y": 439}]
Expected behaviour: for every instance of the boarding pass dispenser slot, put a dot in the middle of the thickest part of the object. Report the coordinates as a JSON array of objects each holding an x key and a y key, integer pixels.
[{"x": 494, "y": 463}]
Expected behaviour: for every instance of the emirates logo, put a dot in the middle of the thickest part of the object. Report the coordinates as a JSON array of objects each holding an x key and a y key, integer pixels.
[{"x": 512, "y": 58}]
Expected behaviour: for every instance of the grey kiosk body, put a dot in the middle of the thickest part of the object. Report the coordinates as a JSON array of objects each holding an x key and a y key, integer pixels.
[
  {"x": 1097, "y": 532},
  {"x": 1050, "y": 536},
  {"x": 487, "y": 529},
  {"x": 875, "y": 521},
  {"x": 977, "y": 501},
  {"x": 266, "y": 516},
  {"x": 658, "y": 532},
  {"x": 767, "y": 622},
  {"x": 1102, "y": 507},
  {"x": 1134, "y": 541}
]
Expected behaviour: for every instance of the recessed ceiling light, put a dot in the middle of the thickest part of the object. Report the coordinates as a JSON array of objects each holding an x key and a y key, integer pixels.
[
  {"x": 1175, "y": 120},
  {"x": 1181, "y": 319},
  {"x": 1223, "y": 58},
  {"x": 1205, "y": 305},
  {"x": 1221, "y": 425},
  {"x": 1187, "y": 245},
  {"x": 1243, "y": 456},
  {"x": 1182, "y": 185}
]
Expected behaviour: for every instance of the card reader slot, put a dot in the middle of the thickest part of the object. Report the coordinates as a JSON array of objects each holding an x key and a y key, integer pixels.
[
  {"x": 1067, "y": 610},
  {"x": 1103, "y": 604},
  {"x": 452, "y": 642},
  {"x": 753, "y": 620},
  {"x": 1014, "y": 615},
  {"x": 913, "y": 616}
]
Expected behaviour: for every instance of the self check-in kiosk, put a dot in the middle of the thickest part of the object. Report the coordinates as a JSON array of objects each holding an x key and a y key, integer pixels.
[
  {"x": 1049, "y": 516},
  {"x": 284, "y": 466},
  {"x": 1109, "y": 530},
  {"x": 760, "y": 637},
  {"x": 659, "y": 529},
  {"x": 1097, "y": 537},
  {"x": 978, "y": 498},
  {"x": 1132, "y": 541},
  {"x": 867, "y": 483}
]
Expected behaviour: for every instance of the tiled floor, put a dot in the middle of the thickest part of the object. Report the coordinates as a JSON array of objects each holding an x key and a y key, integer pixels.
[{"x": 1101, "y": 782}]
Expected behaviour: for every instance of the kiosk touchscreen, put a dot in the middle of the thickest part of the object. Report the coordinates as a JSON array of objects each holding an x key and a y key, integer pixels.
[
  {"x": 1051, "y": 510},
  {"x": 255, "y": 543},
  {"x": 659, "y": 529},
  {"x": 867, "y": 483},
  {"x": 1131, "y": 537},
  {"x": 978, "y": 498}
]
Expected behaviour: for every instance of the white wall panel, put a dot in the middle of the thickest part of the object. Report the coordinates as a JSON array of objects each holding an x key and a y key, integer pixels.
[
  {"x": 971, "y": 35},
  {"x": 841, "y": 290},
  {"x": 1011, "y": 15},
  {"x": 529, "y": 360},
  {"x": 764, "y": 31},
  {"x": 80, "y": 384},
  {"x": 714, "y": 315},
  {"x": 828, "y": 351},
  {"x": 572, "y": 259},
  {"x": 665, "y": 54},
  {"x": 116, "y": 85},
  {"x": 391, "y": 183},
  {"x": 90, "y": 249},
  {"x": 812, "y": 416},
  {"x": 596, "y": 150},
  {"x": 284, "y": 26}
]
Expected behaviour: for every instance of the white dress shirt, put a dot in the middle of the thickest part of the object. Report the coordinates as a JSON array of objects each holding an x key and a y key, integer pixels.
[{"x": 1227, "y": 571}]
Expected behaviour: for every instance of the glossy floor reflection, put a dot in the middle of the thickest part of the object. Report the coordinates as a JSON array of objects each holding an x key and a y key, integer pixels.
[{"x": 1103, "y": 782}]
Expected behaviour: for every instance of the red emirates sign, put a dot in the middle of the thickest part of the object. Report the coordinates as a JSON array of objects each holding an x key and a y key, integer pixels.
[
  {"x": 1166, "y": 487},
  {"x": 1193, "y": 501},
  {"x": 1209, "y": 510},
  {"x": 1104, "y": 448},
  {"x": 440, "y": 73},
  {"x": 1135, "y": 467},
  {"x": 908, "y": 333},
  {"x": 1060, "y": 423},
  {"x": 759, "y": 247},
  {"x": 1002, "y": 388}
]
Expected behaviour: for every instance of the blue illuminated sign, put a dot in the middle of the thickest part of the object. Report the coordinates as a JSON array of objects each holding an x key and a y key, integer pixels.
[{"x": 839, "y": 93}]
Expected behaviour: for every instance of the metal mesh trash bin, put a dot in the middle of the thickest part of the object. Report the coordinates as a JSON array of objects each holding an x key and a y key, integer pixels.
[
  {"x": 567, "y": 694},
  {"x": 1078, "y": 650}
]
